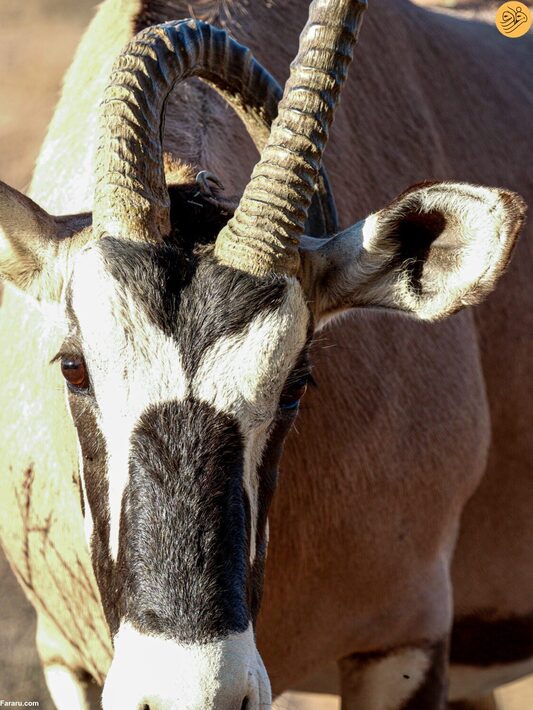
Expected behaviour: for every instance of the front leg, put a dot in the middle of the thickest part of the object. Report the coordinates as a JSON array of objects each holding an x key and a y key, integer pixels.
[{"x": 413, "y": 677}]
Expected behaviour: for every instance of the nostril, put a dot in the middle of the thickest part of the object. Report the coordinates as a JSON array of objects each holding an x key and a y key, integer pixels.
[{"x": 244, "y": 705}]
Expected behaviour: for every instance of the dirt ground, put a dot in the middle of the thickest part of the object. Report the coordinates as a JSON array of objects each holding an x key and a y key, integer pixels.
[{"x": 37, "y": 40}]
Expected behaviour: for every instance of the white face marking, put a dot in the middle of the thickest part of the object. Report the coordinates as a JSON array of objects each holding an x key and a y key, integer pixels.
[
  {"x": 386, "y": 684},
  {"x": 172, "y": 676},
  {"x": 128, "y": 373},
  {"x": 243, "y": 376},
  {"x": 133, "y": 365}
]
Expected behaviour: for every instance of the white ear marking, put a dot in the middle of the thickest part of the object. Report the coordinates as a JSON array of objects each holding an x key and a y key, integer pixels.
[{"x": 434, "y": 249}]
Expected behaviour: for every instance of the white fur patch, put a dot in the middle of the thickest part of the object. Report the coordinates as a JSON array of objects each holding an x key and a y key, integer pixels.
[
  {"x": 132, "y": 363},
  {"x": 386, "y": 684},
  {"x": 170, "y": 676},
  {"x": 243, "y": 376}
]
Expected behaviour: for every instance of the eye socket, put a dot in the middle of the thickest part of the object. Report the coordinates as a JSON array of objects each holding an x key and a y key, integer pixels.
[
  {"x": 292, "y": 394},
  {"x": 75, "y": 373}
]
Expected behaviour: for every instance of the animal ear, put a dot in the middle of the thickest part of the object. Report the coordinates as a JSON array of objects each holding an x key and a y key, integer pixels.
[
  {"x": 35, "y": 247},
  {"x": 436, "y": 248}
]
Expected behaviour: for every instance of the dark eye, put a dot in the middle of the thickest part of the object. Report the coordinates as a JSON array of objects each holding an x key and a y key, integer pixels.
[
  {"x": 75, "y": 373},
  {"x": 292, "y": 394}
]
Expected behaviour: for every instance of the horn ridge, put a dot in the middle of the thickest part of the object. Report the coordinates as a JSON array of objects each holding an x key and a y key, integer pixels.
[
  {"x": 269, "y": 241},
  {"x": 131, "y": 198}
]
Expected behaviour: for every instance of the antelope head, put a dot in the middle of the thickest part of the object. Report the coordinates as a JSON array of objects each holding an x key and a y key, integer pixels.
[{"x": 186, "y": 361}]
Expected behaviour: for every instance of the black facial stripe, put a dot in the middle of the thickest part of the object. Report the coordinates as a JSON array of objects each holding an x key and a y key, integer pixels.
[
  {"x": 97, "y": 489},
  {"x": 183, "y": 566},
  {"x": 96, "y": 481},
  {"x": 113, "y": 577},
  {"x": 193, "y": 301},
  {"x": 184, "y": 545},
  {"x": 268, "y": 478}
]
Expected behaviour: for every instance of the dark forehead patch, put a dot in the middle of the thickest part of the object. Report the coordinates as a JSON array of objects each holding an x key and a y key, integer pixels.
[{"x": 191, "y": 298}]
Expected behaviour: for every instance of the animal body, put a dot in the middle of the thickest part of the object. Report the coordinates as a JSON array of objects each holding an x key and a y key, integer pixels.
[{"x": 401, "y": 507}]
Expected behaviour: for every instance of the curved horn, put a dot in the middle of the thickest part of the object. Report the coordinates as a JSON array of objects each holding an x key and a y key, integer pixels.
[
  {"x": 263, "y": 235},
  {"x": 131, "y": 198}
]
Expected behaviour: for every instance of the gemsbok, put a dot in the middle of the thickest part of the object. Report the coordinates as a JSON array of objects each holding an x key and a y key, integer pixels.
[{"x": 188, "y": 323}]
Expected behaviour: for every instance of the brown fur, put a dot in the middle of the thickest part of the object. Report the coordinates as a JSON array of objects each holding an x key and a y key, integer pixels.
[{"x": 408, "y": 420}]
